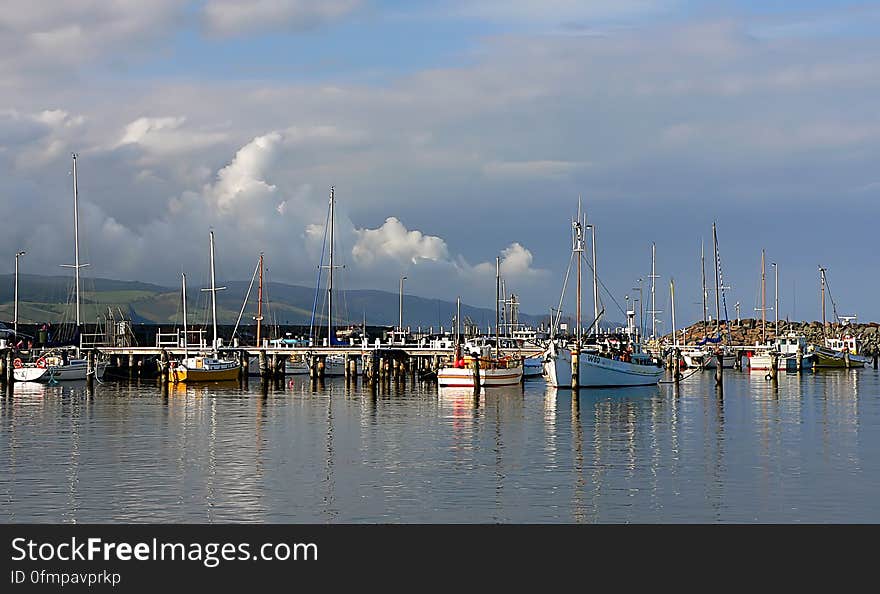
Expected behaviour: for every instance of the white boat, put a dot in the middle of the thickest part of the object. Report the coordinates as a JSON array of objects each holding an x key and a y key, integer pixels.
[
  {"x": 699, "y": 358},
  {"x": 600, "y": 371},
  {"x": 791, "y": 352},
  {"x": 481, "y": 363},
  {"x": 605, "y": 360},
  {"x": 493, "y": 372},
  {"x": 55, "y": 368}
]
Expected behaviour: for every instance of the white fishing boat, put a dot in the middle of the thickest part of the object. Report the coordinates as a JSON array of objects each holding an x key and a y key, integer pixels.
[
  {"x": 483, "y": 365},
  {"x": 610, "y": 361},
  {"x": 791, "y": 354},
  {"x": 602, "y": 360}
]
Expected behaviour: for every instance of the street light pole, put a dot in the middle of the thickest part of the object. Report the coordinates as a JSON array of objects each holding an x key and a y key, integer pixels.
[
  {"x": 400, "y": 318},
  {"x": 15, "y": 314},
  {"x": 775, "y": 297}
]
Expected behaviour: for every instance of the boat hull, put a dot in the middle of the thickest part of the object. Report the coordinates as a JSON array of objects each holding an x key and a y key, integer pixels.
[
  {"x": 599, "y": 372},
  {"x": 31, "y": 373},
  {"x": 828, "y": 359},
  {"x": 762, "y": 362},
  {"x": 533, "y": 367},
  {"x": 183, "y": 374},
  {"x": 76, "y": 369},
  {"x": 463, "y": 377}
]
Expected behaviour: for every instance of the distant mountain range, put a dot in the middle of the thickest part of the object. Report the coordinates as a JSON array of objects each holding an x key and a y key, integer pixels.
[{"x": 51, "y": 299}]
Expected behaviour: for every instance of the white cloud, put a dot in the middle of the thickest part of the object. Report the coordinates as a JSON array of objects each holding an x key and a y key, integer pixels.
[
  {"x": 240, "y": 184},
  {"x": 232, "y": 17},
  {"x": 393, "y": 240},
  {"x": 167, "y": 135}
]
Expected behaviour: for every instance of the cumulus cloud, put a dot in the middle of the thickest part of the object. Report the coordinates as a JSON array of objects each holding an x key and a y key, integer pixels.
[
  {"x": 232, "y": 17},
  {"x": 393, "y": 240},
  {"x": 241, "y": 184}
]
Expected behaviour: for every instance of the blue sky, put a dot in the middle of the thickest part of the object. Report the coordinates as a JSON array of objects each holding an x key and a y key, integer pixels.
[{"x": 454, "y": 132}]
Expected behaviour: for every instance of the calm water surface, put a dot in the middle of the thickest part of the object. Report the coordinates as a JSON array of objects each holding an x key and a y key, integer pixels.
[{"x": 805, "y": 450}]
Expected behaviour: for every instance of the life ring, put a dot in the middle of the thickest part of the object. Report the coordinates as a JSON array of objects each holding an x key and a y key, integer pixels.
[
  {"x": 17, "y": 363},
  {"x": 41, "y": 363}
]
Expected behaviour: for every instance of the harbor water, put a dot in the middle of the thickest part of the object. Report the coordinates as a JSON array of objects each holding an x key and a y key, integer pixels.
[{"x": 802, "y": 449}]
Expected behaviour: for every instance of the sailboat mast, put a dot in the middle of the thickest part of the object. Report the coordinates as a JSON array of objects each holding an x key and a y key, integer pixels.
[
  {"x": 717, "y": 283},
  {"x": 76, "y": 237},
  {"x": 213, "y": 294},
  {"x": 457, "y": 320},
  {"x": 822, "y": 285},
  {"x": 260, "y": 302},
  {"x": 497, "y": 298},
  {"x": 763, "y": 301},
  {"x": 703, "y": 270},
  {"x": 672, "y": 299},
  {"x": 653, "y": 278},
  {"x": 578, "y": 249},
  {"x": 185, "y": 351},
  {"x": 330, "y": 278},
  {"x": 595, "y": 280}
]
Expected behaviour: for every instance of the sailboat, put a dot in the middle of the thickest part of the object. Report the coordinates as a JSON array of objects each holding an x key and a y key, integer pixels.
[
  {"x": 297, "y": 366},
  {"x": 704, "y": 354},
  {"x": 482, "y": 365},
  {"x": 201, "y": 368},
  {"x": 608, "y": 360},
  {"x": 56, "y": 365},
  {"x": 334, "y": 365},
  {"x": 789, "y": 350}
]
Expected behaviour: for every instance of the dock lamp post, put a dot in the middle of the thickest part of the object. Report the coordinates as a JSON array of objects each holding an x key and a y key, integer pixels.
[
  {"x": 400, "y": 318},
  {"x": 15, "y": 313}
]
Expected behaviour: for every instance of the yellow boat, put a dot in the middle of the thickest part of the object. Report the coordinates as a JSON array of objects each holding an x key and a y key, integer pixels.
[{"x": 203, "y": 369}]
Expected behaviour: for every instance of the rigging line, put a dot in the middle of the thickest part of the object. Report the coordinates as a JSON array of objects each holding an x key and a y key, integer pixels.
[
  {"x": 606, "y": 289},
  {"x": 831, "y": 298},
  {"x": 555, "y": 323},
  {"x": 273, "y": 327},
  {"x": 318, "y": 280},
  {"x": 246, "y": 296}
]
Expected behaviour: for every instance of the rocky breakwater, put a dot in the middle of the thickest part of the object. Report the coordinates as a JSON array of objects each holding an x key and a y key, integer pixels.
[{"x": 748, "y": 332}]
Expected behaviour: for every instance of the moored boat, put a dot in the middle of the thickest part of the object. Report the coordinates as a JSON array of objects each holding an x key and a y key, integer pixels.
[{"x": 841, "y": 352}]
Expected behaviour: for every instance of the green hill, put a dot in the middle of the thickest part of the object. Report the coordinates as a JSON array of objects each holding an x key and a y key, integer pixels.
[{"x": 51, "y": 299}]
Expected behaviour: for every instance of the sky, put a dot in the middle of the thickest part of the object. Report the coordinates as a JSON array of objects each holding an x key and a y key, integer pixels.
[{"x": 454, "y": 133}]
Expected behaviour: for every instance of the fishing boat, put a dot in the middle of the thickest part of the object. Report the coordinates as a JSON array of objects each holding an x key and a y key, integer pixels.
[
  {"x": 477, "y": 365},
  {"x": 791, "y": 354},
  {"x": 481, "y": 365},
  {"x": 203, "y": 368},
  {"x": 608, "y": 360},
  {"x": 843, "y": 352}
]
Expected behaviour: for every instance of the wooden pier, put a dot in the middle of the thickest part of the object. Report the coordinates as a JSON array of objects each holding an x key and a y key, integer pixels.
[{"x": 377, "y": 361}]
